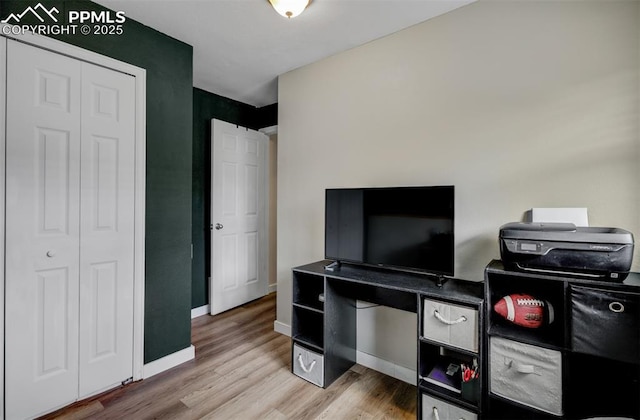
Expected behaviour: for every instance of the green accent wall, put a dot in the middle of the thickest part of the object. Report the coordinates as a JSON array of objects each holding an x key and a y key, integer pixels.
[
  {"x": 207, "y": 106},
  {"x": 169, "y": 168}
]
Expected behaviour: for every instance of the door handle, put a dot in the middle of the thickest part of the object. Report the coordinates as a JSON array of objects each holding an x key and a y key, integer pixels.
[
  {"x": 219, "y": 226},
  {"x": 51, "y": 253}
]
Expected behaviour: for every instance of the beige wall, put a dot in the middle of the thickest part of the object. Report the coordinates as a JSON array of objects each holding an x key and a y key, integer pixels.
[{"x": 518, "y": 104}]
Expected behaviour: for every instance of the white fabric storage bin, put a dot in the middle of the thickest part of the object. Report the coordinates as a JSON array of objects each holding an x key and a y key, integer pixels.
[
  {"x": 526, "y": 374},
  {"x": 308, "y": 365},
  {"x": 450, "y": 324},
  {"x": 435, "y": 409}
]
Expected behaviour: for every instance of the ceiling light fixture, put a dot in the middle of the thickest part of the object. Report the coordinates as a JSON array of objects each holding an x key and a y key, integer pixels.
[{"x": 289, "y": 8}]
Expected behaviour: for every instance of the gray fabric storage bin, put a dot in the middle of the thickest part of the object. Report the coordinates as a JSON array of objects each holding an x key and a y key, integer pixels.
[
  {"x": 444, "y": 410},
  {"x": 308, "y": 365},
  {"x": 450, "y": 324},
  {"x": 527, "y": 374}
]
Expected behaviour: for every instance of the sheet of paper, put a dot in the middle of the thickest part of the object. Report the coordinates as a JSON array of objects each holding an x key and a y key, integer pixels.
[{"x": 576, "y": 215}]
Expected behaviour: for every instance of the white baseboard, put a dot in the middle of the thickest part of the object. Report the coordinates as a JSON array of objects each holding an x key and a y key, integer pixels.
[
  {"x": 202, "y": 310},
  {"x": 282, "y": 328},
  {"x": 167, "y": 362},
  {"x": 273, "y": 288},
  {"x": 391, "y": 369}
]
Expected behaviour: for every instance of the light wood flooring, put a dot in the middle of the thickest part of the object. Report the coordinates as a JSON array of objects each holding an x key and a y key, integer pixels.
[{"x": 242, "y": 370}]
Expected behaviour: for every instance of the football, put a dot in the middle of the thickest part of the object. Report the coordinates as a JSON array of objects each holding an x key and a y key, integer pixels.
[{"x": 524, "y": 310}]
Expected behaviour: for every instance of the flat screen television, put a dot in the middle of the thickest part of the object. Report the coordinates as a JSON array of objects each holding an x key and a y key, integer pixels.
[{"x": 404, "y": 228}]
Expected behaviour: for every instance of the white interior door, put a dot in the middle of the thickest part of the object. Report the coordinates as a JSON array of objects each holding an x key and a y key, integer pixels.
[
  {"x": 107, "y": 177},
  {"x": 238, "y": 216},
  {"x": 69, "y": 230},
  {"x": 42, "y": 231}
]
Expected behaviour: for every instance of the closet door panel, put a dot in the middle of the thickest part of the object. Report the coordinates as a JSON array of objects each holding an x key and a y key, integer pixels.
[
  {"x": 42, "y": 230},
  {"x": 106, "y": 228},
  {"x": 3, "y": 100}
]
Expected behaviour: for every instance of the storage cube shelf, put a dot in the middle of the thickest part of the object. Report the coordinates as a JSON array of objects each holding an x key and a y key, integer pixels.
[
  {"x": 430, "y": 356},
  {"x": 551, "y": 292},
  {"x": 308, "y": 291},
  {"x": 584, "y": 364},
  {"x": 308, "y": 327}
]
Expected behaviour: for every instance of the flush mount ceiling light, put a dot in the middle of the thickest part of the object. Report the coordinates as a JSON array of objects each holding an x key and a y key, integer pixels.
[{"x": 289, "y": 8}]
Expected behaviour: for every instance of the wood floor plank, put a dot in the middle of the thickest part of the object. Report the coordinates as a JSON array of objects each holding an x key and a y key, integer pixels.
[
  {"x": 259, "y": 398},
  {"x": 230, "y": 386},
  {"x": 83, "y": 411},
  {"x": 242, "y": 370},
  {"x": 312, "y": 400},
  {"x": 354, "y": 401},
  {"x": 274, "y": 415}
]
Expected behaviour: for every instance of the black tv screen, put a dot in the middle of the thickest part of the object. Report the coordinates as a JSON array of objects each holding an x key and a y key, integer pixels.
[{"x": 407, "y": 228}]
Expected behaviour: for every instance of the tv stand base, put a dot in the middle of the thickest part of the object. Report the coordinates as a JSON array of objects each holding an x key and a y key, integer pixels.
[
  {"x": 334, "y": 266},
  {"x": 440, "y": 281}
]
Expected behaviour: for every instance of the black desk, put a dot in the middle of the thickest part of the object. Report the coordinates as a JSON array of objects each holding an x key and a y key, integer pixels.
[{"x": 327, "y": 329}]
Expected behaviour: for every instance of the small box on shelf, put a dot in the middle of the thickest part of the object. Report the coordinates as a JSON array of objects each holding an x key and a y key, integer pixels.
[
  {"x": 308, "y": 365},
  {"x": 450, "y": 324},
  {"x": 446, "y": 373}
]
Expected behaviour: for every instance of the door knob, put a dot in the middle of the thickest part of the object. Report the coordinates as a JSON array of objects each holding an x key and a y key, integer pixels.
[
  {"x": 51, "y": 253},
  {"x": 219, "y": 226}
]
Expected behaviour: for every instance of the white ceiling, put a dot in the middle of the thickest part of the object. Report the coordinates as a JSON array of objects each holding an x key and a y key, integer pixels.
[{"x": 241, "y": 46}]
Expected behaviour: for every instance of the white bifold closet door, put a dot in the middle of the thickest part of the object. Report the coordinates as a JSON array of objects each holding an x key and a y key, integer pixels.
[{"x": 69, "y": 230}]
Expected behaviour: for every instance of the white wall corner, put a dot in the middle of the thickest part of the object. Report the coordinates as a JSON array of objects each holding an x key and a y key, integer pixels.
[
  {"x": 391, "y": 369},
  {"x": 202, "y": 310},
  {"x": 282, "y": 328},
  {"x": 168, "y": 362},
  {"x": 273, "y": 288}
]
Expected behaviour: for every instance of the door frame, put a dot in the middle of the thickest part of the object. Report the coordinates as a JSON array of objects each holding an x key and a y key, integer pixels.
[{"x": 140, "y": 76}]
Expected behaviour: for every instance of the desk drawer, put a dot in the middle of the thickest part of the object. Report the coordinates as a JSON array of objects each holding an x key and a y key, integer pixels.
[
  {"x": 308, "y": 365},
  {"x": 450, "y": 324},
  {"x": 605, "y": 323},
  {"x": 435, "y": 409},
  {"x": 526, "y": 374}
]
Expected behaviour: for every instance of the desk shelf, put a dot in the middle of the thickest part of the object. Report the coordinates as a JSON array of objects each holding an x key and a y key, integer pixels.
[
  {"x": 308, "y": 326},
  {"x": 308, "y": 291},
  {"x": 308, "y": 311}
]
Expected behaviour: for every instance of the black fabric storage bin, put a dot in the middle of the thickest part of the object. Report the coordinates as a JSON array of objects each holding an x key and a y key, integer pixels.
[{"x": 606, "y": 323}]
